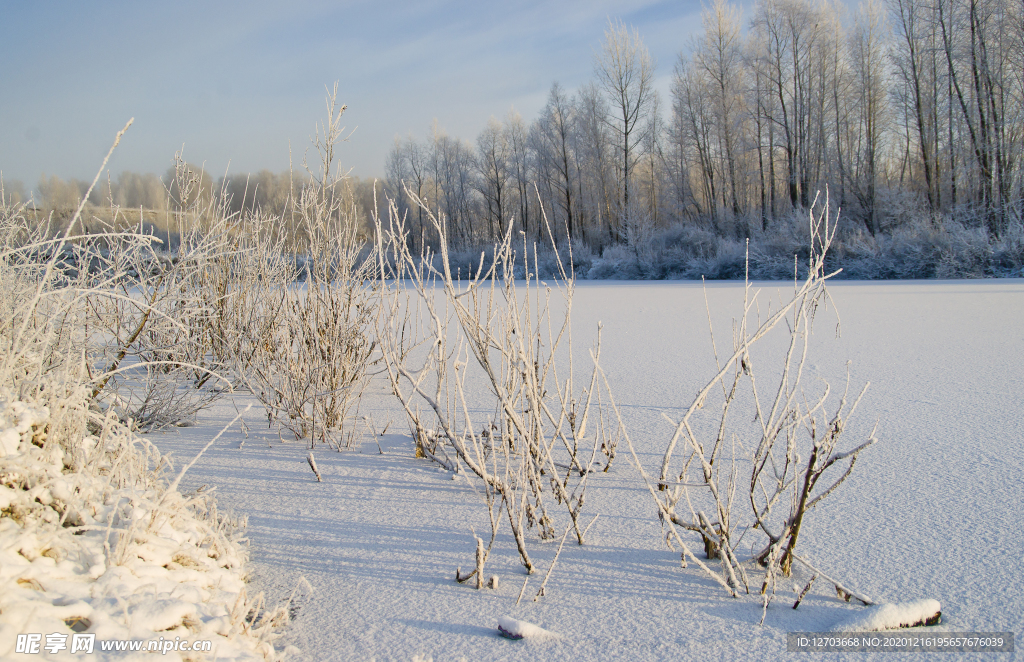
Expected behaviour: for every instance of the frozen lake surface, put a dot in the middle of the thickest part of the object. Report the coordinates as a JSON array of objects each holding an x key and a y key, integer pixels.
[{"x": 933, "y": 510}]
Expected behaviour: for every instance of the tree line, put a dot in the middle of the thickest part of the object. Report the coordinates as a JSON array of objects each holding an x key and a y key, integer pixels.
[
  {"x": 911, "y": 111},
  {"x": 158, "y": 197}
]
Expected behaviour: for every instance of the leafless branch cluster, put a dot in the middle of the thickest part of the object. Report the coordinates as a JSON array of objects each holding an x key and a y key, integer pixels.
[
  {"x": 739, "y": 486},
  {"x": 306, "y": 351},
  {"x": 83, "y": 315},
  {"x": 163, "y": 330},
  {"x": 483, "y": 369}
]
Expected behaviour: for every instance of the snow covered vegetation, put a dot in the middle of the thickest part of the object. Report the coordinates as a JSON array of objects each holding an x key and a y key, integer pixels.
[
  {"x": 95, "y": 538},
  {"x": 663, "y": 489},
  {"x": 536, "y": 447},
  {"x": 760, "y": 480},
  {"x": 909, "y": 112},
  {"x": 891, "y": 617},
  {"x": 99, "y": 341}
]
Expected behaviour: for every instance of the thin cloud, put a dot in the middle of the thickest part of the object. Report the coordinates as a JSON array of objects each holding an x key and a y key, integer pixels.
[{"x": 238, "y": 82}]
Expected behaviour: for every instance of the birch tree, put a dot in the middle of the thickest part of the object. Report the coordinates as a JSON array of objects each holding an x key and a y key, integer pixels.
[
  {"x": 558, "y": 155},
  {"x": 718, "y": 57},
  {"x": 494, "y": 169},
  {"x": 868, "y": 55},
  {"x": 520, "y": 164},
  {"x": 625, "y": 70}
]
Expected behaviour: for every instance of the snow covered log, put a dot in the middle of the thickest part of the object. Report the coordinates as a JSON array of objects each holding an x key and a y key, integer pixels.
[
  {"x": 510, "y": 628},
  {"x": 892, "y": 617}
]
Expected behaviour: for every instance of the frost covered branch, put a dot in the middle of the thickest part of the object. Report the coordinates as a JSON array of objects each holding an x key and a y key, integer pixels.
[
  {"x": 438, "y": 335},
  {"x": 792, "y": 445}
]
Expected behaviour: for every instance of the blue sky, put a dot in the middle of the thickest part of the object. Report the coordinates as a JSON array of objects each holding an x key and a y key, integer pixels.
[{"x": 234, "y": 82}]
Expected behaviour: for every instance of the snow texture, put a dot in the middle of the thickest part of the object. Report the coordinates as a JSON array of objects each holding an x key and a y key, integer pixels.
[{"x": 889, "y": 616}]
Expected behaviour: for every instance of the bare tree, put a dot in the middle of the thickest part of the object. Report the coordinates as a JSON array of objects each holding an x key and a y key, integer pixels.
[
  {"x": 718, "y": 56},
  {"x": 916, "y": 37},
  {"x": 135, "y": 190},
  {"x": 396, "y": 172},
  {"x": 791, "y": 31},
  {"x": 557, "y": 154},
  {"x": 868, "y": 57},
  {"x": 654, "y": 163},
  {"x": 764, "y": 110},
  {"x": 596, "y": 154},
  {"x": 59, "y": 195},
  {"x": 982, "y": 46},
  {"x": 493, "y": 165},
  {"x": 625, "y": 70},
  {"x": 451, "y": 163},
  {"x": 417, "y": 161},
  {"x": 693, "y": 119},
  {"x": 934, "y": 106},
  {"x": 520, "y": 162}
]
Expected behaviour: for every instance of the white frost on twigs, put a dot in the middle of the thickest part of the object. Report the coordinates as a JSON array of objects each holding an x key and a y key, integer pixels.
[
  {"x": 510, "y": 628},
  {"x": 890, "y": 616}
]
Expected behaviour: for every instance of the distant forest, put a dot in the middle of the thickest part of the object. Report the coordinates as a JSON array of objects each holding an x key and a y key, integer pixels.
[{"x": 909, "y": 112}]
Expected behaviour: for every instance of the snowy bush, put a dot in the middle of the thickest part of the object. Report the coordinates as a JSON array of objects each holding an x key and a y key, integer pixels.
[
  {"x": 152, "y": 344},
  {"x": 305, "y": 351},
  {"x": 914, "y": 245},
  {"x": 166, "y": 333},
  {"x": 95, "y": 538}
]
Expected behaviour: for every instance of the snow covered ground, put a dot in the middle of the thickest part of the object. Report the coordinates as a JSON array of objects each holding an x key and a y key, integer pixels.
[{"x": 931, "y": 512}]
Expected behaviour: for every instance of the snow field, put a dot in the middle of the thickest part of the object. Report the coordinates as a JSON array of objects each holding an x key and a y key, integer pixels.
[{"x": 930, "y": 512}]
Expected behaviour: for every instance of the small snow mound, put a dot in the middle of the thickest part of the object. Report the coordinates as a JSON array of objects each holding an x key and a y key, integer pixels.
[
  {"x": 510, "y": 628},
  {"x": 892, "y": 617}
]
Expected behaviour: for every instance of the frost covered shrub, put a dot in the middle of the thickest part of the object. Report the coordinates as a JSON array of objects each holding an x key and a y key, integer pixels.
[
  {"x": 108, "y": 303},
  {"x": 304, "y": 351},
  {"x": 968, "y": 252},
  {"x": 678, "y": 248},
  {"x": 617, "y": 262},
  {"x": 93, "y": 536},
  {"x": 1008, "y": 255},
  {"x": 755, "y": 456},
  {"x": 929, "y": 248},
  {"x": 574, "y": 257},
  {"x": 729, "y": 263},
  {"x": 910, "y": 244},
  {"x": 691, "y": 252},
  {"x": 524, "y": 433},
  {"x": 465, "y": 262}
]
